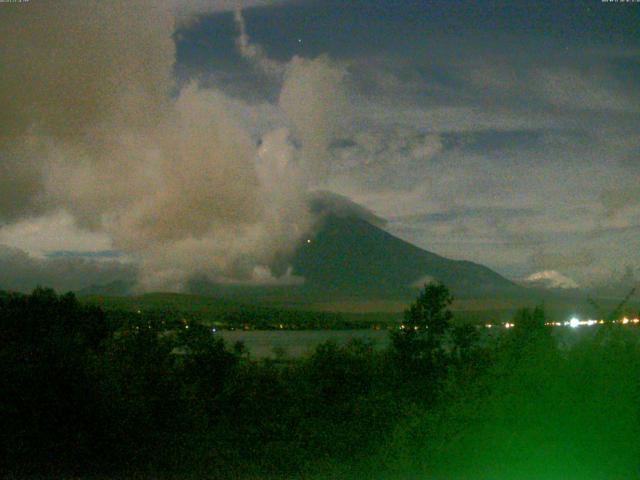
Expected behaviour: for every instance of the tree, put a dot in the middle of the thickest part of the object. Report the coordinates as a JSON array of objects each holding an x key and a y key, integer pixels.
[
  {"x": 531, "y": 322},
  {"x": 530, "y": 337},
  {"x": 48, "y": 406},
  {"x": 418, "y": 344},
  {"x": 430, "y": 312}
]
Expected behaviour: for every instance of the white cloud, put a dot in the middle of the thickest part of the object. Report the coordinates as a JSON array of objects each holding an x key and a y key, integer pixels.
[
  {"x": 582, "y": 89},
  {"x": 49, "y": 233}
]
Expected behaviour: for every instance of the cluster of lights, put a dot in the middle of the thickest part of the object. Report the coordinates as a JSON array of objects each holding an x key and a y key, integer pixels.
[
  {"x": 626, "y": 320},
  {"x": 573, "y": 322},
  {"x": 405, "y": 327},
  {"x": 576, "y": 322}
]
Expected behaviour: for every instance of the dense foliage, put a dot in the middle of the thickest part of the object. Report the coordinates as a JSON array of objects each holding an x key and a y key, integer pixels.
[{"x": 87, "y": 393}]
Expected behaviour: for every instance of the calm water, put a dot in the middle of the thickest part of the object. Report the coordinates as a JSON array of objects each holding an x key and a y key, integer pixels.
[{"x": 296, "y": 343}]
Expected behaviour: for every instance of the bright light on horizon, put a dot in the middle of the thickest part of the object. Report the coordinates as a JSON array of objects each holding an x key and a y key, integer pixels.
[{"x": 574, "y": 322}]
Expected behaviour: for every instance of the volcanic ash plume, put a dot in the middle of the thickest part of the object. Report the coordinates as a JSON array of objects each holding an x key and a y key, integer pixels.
[{"x": 90, "y": 128}]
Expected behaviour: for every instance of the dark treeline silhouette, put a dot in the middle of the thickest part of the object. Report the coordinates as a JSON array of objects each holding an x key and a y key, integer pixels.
[{"x": 88, "y": 393}]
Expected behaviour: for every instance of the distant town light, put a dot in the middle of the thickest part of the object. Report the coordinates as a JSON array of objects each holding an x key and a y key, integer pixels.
[{"x": 574, "y": 322}]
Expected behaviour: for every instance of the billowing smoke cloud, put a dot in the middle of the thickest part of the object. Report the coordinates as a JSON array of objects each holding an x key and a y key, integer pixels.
[
  {"x": 313, "y": 99},
  {"x": 90, "y": 128},
  {"x": 76, "y": 76}
]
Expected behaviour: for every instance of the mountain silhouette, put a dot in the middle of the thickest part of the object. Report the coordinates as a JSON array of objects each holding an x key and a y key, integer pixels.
[{"x": 349, "y": 256}]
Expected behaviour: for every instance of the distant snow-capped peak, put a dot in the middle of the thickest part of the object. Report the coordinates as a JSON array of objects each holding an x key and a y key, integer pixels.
[{"x": 551, "y": 279}]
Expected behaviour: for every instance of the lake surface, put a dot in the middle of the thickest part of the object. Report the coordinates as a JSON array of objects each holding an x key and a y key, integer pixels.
[{"x": 297, "y": 343}]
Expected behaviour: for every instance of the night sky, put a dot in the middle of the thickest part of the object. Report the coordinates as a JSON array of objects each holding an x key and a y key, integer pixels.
[{"x": 505, "y": 133}]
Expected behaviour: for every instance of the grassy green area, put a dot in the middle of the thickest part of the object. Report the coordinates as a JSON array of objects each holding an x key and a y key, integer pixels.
[{"x": 544, "y": 414}]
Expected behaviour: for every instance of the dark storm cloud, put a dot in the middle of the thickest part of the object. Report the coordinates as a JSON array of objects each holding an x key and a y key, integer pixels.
[
  {"x": 20, "y": 271},
  {"x": 616, "y": 200},
  {"x": 492, "y": 141},
  {"x": 76, "y": 254},
  {"x": 330, "y": 203},
  {"x": 546, "y": 260},
  {"x": 488, "y": 213},
  {"x": 608, "y": 232}
]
